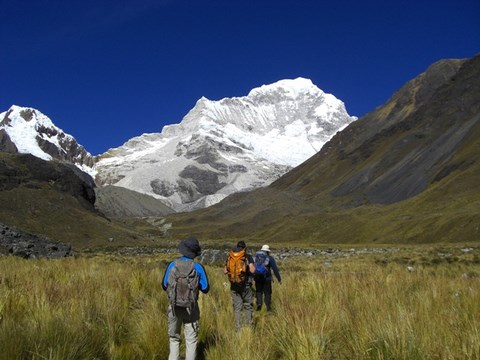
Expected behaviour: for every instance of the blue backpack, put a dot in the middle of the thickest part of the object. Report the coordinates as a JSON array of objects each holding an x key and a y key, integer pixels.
[{"x": 261, "y": 264}]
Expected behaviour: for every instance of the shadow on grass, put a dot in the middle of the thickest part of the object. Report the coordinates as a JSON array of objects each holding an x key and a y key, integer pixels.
[{"x": 204, "y": 345}]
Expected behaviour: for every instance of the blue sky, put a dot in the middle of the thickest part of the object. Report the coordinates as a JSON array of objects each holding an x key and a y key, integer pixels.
[{"x": 106, "y": 71}]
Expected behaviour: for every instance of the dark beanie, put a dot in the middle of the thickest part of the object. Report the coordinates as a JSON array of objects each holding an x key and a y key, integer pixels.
[
  {"x": 190, "y": 247},
  {"x": 241, "y": 244}
]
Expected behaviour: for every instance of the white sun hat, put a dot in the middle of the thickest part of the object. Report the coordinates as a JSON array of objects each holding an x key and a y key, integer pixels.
[{"x": 265, "y": 248}]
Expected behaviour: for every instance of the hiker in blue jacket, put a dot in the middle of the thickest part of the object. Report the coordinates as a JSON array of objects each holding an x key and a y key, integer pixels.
[
  {"x": 263, "y": 282},
  {"x": 188, "y": 316}
]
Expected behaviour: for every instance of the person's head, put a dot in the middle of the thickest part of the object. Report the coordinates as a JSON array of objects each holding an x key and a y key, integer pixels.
[
  {"x": 266, "y": 248},
  {"x": 190, "y": 247},
  {"x": 241, "y": 244}
]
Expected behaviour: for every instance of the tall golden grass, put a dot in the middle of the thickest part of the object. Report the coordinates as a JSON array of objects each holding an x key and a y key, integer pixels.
[{"x": 114, "y": 308}]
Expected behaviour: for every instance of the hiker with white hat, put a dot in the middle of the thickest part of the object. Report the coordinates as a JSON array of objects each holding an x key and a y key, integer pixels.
[{"x": 264, "y": 265}]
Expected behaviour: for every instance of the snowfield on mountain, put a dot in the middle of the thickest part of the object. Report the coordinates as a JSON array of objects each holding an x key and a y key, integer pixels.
[{"x": 226, "y": 146}]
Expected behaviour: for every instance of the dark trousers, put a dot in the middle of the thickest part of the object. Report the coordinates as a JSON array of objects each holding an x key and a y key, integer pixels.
[{"x": 263, "y": 291}]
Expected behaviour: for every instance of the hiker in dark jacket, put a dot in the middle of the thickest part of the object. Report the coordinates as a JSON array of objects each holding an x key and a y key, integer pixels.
[
  {"x": 189, "y": 317},
  {"x": 241, "y": 288},
  {"x": 263, "y": 283}
]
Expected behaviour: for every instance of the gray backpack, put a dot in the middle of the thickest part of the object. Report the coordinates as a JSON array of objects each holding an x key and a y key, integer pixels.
[{"x": 183, "y": 282}]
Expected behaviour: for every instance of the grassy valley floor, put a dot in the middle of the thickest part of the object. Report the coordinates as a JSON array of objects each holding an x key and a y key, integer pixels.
[{"x": 415, "y": 303}]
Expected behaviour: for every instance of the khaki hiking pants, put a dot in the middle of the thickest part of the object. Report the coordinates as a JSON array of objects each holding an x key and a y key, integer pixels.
[
  {"x": 242, "y": 298},
  {"x": 176, "y": 317}
]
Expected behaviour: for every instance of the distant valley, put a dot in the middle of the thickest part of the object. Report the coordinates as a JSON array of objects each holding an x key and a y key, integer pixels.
[{"x": 407, "y": 172}]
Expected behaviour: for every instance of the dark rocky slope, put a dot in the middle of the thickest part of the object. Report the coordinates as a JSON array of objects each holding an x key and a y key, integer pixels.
[
  {"x": 55, "y": 201},
  {"x": 31, "y": 172}
]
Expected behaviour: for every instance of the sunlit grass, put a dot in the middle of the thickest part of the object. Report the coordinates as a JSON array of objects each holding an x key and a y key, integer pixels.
[{"x": 363, "y": 307}]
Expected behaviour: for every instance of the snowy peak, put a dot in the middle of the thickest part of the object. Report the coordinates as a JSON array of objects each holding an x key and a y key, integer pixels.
[
  {"x": 24, "y": 126},
  {"x": 226, "y": 146},
  {"x": 27, "y": 130},
  {"x": 289, "y": 88},
  {"x": 274, "y": 106}
]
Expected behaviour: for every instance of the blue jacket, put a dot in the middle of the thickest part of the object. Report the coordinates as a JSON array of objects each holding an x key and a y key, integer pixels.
[{"x": 204, "y": 284}]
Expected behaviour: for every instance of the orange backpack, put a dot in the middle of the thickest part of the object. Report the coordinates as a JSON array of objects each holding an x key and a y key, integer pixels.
[{"x": 237, "y": 267}]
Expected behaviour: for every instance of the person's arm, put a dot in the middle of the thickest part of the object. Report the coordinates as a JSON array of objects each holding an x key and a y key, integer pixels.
[
  {"x": 225, "y": 269},
  {"x": 251, "y": 265},
  {"x": 165, "y": 275},
  {"x": 273, "y": 264},
  {"x": 204, "y": 283}
]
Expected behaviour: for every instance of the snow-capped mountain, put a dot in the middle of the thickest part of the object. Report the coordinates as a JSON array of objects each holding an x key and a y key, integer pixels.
[
  {"x": 27, "y": 130},
  {"x": 227, "y": 146}
]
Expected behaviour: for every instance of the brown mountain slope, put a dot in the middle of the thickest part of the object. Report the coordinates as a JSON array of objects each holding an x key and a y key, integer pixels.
[
  {"x": 55, "y": 200},
  {"x": 393, "y": 152},
  {"x": 406, "y": 172}
]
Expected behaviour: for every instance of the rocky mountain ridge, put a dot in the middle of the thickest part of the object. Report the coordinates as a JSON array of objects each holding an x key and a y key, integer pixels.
[
  {"x": 28, "y": 131},
  {"x": 219, "y": 148},
  {"x": 227, "y": 146}
]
